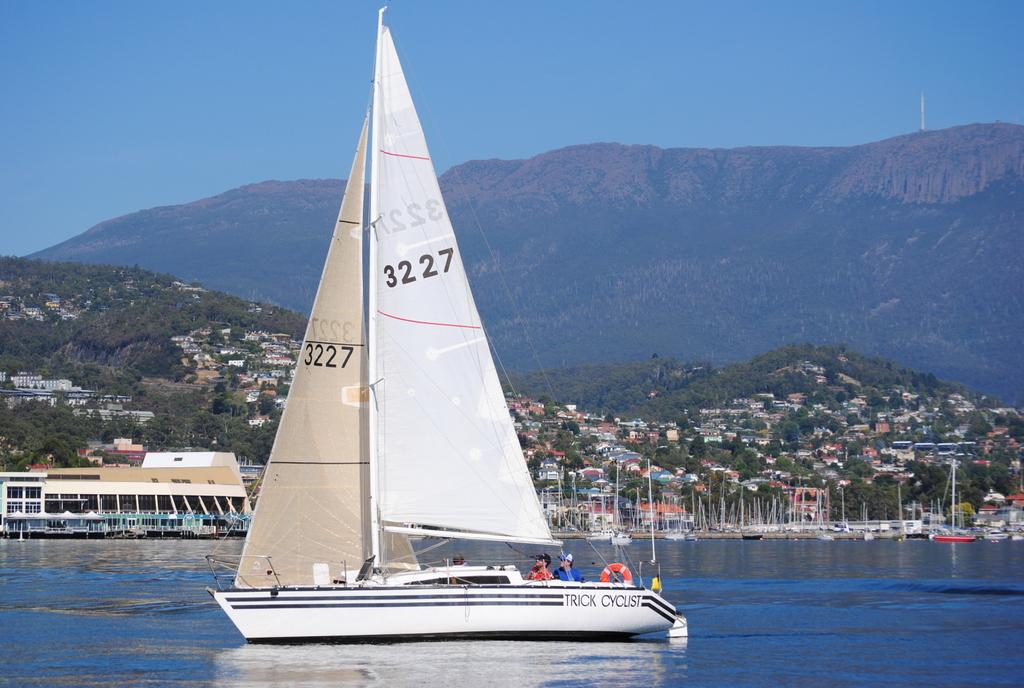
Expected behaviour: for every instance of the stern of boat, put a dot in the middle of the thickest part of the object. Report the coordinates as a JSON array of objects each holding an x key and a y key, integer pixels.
[{"x": 679, "y": 629}]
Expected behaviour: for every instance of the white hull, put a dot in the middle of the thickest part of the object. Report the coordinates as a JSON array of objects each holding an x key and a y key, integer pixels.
[{"x": 551, "y": 609}]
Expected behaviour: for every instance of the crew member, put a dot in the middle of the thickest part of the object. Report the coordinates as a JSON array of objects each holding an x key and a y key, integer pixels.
[
  {"x": 540, "y": 569},
  {"x": 566, "y": 571}
]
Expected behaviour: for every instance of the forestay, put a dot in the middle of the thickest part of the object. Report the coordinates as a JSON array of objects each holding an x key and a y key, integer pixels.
[
  {"x": 313, "y": 502},
  {"x": 449, "y": 458}
]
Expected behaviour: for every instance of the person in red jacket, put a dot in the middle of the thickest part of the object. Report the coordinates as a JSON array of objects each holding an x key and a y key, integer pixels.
[{"x": 540, "y": 569}]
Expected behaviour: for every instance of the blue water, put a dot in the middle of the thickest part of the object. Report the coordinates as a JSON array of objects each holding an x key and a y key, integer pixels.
[{"x": 119, "y": 613}]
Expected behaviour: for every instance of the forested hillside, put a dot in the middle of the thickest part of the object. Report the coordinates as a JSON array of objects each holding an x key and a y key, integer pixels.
[
  {"x": 113, "y": 317},
  {"x": 108, "y": 332},
  {"x": 667, "y": 389}
]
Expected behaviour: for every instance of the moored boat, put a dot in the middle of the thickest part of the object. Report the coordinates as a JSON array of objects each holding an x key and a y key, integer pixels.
[
  {"x": 952, "y": 537},
  {"x": 956, "y": 533},
  {"x": 678, "y": 535}
]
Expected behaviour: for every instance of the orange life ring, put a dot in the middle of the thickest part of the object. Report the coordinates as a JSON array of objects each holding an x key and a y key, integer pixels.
[{"x": 621, "y": 570}]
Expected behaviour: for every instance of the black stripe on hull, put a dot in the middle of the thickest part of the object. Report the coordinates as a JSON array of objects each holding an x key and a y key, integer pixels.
[
  {"x": 661, "y": 604},
  {"x": 359, "y": 598},
  {"x": 660, "y": 612},
  {"x": 378, "y": 605},
  {"x": 453, "y": 599},
  {"x": 406, "y": 588},
  {"x": 594, "y": 636}
]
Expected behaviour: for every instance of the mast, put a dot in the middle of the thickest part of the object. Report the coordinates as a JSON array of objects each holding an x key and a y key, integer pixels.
[
  {"x": 437, "y": 400},
  {"x": 615, "y": 506},
  {"x": 371, "y": 311},
  {"x": 650, "y": 503},
  {"x": 899, "y": 509},
  {"x": 955, "y": 505}
]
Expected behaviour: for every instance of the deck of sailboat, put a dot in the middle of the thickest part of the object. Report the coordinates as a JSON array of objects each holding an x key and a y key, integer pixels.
[{"x": 524, "y": 610}]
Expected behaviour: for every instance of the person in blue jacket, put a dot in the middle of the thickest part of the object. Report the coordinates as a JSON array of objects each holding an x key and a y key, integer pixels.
[{"x": 566, "y": 571}]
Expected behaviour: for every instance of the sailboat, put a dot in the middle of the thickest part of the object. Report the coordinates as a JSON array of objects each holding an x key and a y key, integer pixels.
[
  {"x": 400, "y": 431},
  {"x": 956, "y": 533},
  {"x": 600, "y": 534},
  {"x": 619, "y": 536}
]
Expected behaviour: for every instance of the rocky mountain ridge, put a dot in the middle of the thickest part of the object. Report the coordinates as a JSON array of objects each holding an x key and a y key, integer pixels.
[{"x": 908, "y": 248}]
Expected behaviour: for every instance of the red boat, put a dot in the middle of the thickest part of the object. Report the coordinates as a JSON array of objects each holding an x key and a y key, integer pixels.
[{"x": 953, "y": 538}]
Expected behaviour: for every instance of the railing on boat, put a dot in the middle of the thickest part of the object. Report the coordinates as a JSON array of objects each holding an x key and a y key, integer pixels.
[{"x": 225, "y": 568}]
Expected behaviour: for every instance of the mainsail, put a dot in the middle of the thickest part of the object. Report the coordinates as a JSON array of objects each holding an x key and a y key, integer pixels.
[
  {"x": 313, "y": 503},
  {"x": 448, "y": 458}
]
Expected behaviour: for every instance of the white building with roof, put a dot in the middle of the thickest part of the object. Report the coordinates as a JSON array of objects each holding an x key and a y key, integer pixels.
[{"x": 172, "y": 493}]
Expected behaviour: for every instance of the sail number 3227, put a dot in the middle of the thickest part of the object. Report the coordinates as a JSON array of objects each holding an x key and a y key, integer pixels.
[
  {"x": 327, "y": 356},
  {"x": 427, "y": 266}
]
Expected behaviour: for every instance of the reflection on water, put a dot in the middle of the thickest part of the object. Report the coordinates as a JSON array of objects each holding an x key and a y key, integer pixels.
[
  {"x": 462, "y": 663},
  {"x": 125, "y": 613}
]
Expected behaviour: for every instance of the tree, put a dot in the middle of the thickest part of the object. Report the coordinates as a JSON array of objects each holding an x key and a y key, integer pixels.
[
  {"x": 789, "y": 431},
  {"x": 572, "y": 426},
  {"x": 978, "y": 426}
]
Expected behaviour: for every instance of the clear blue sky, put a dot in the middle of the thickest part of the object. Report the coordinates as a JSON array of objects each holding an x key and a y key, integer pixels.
[{"x": 110, "y": 107}]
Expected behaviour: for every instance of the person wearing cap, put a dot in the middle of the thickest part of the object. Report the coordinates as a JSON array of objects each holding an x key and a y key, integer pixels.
[
  {"x": 566, "y": 572},
  {"x": 540, "y": 570}
]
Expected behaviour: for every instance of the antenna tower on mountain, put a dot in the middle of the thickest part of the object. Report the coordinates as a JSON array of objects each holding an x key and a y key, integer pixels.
[{"x": 922, "y": 110}]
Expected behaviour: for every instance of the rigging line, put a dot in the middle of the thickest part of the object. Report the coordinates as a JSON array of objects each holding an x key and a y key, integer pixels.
[
  {"x": 490, "y": 250},
  {"x": 252, "y": 511},
  {"x": 501, "y": 364},
  {"x": 597, "y": 552},
  {"x": 430, "y": 548},
  {"x": 504, "y": 283}
]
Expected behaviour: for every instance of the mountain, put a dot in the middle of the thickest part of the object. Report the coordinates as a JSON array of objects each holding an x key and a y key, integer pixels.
[{"x": 908, "y": 248}]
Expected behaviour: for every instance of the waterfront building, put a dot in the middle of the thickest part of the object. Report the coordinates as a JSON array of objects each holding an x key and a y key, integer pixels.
[{"x": 187, "y": 494}]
